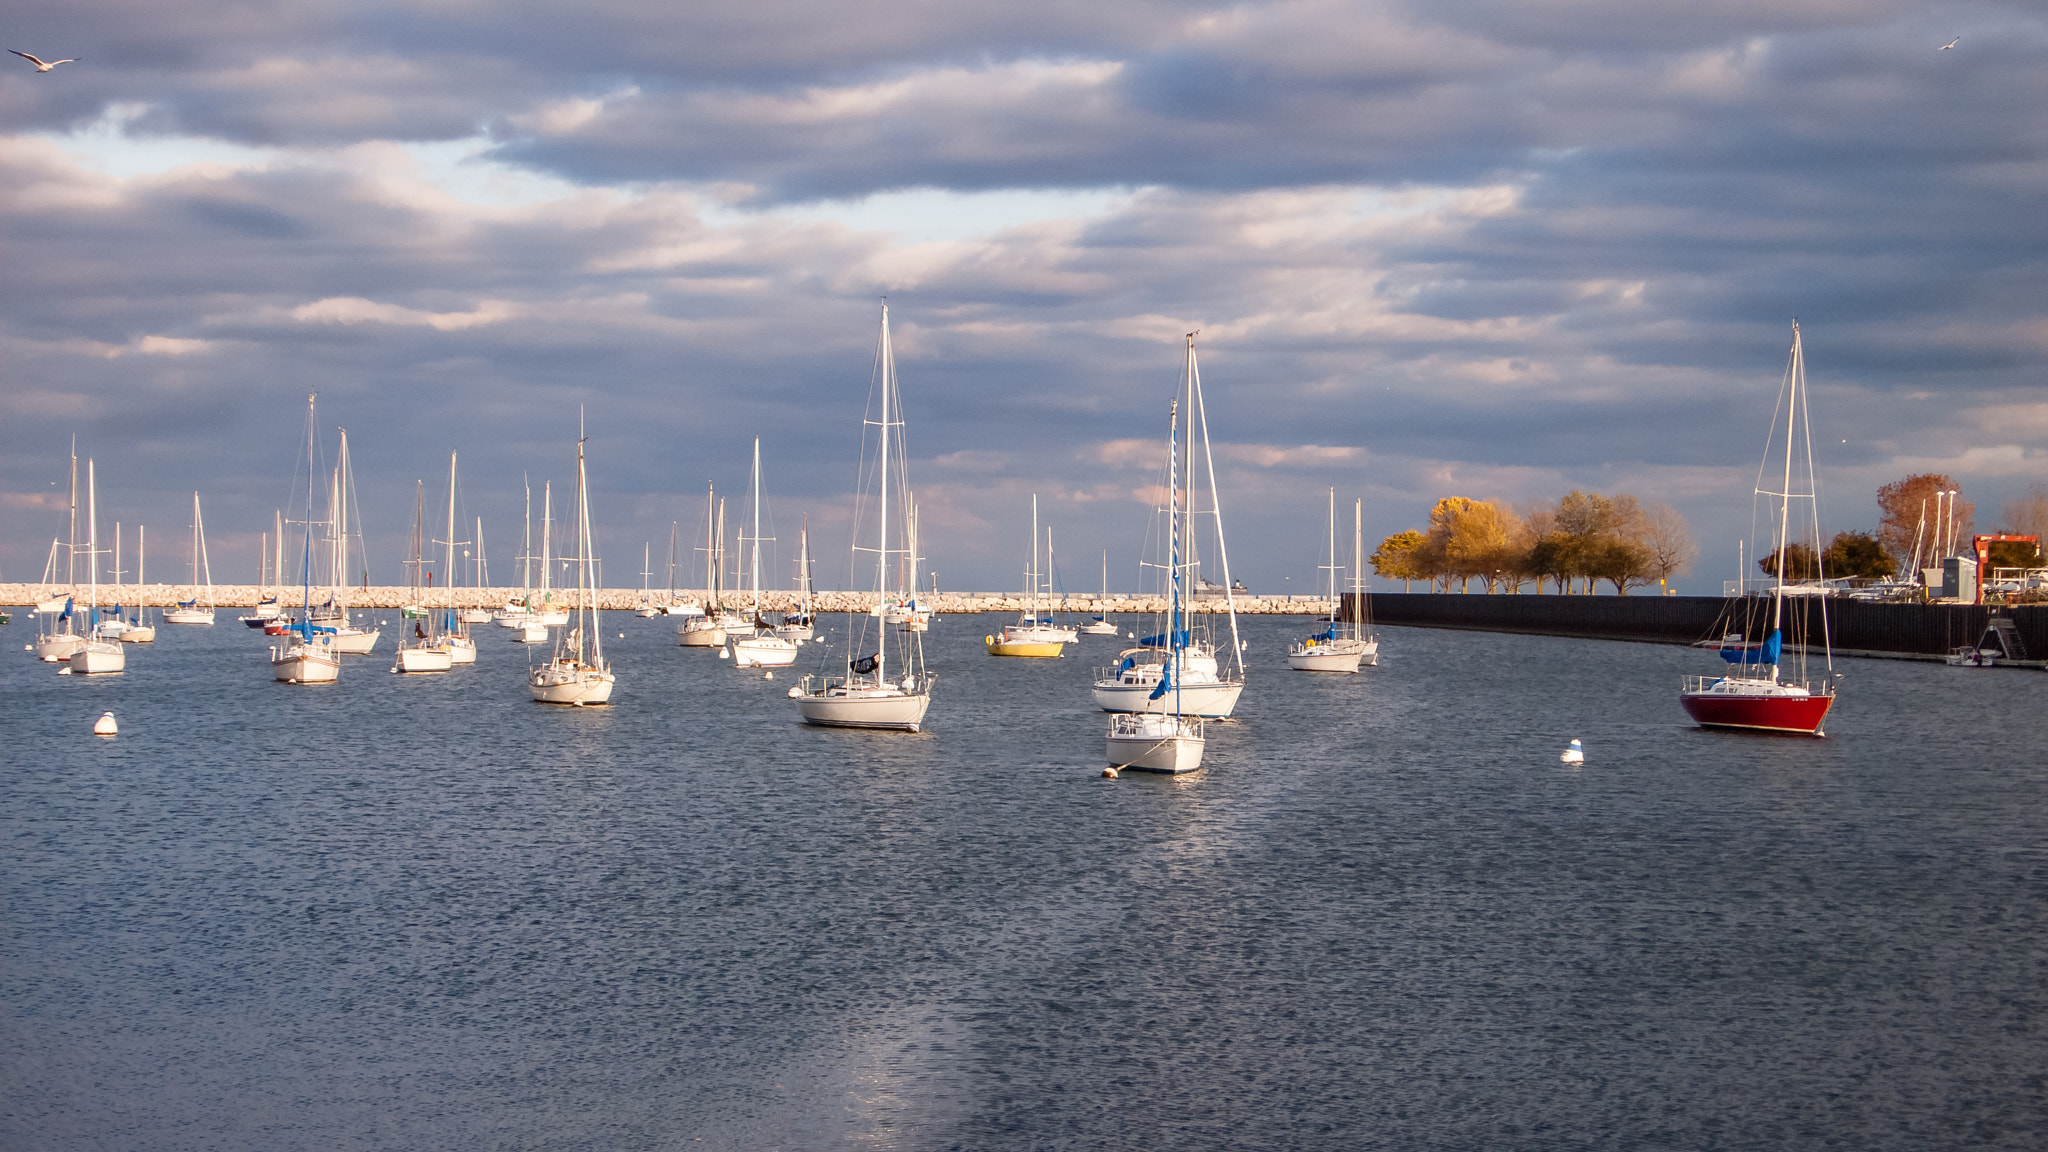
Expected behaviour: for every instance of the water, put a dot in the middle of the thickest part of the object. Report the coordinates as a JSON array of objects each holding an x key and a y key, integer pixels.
[{"x": 412, "y": 912}]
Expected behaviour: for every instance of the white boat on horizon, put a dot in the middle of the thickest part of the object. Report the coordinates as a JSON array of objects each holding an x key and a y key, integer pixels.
[
  {"x": 578, "y": 674},
  {"x": 1342, "y": 645},
  {"x": 101, "y": 651},
  {"x": 763, "y": 648},
  {"x": 190, "y": 611}
]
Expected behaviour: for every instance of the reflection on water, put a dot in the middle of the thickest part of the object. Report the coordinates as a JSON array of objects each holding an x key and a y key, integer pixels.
[{"x": 425, "y": 912}]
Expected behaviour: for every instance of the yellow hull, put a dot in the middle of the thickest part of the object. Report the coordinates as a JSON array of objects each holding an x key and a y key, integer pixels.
[{"x": 1021, "y": 648}]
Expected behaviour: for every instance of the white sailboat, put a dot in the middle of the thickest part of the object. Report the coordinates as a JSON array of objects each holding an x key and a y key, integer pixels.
[
  {"x": 424, "y": 650},
  {"x": 514, "y": 614},
  {"x": 140, "y": 631},
  {"x": 761, "y": 648},
  {"x": 101, "y": 650},
  {"x": 190, "y": 611},
  {"x": 267, "y": 607},
  {"x": 801, "y": 625},
  {"x": 578, "y": 674},
  {"x": 1034, "y": 634},
  {"x": 1341, "y": 646},
  {"x": 348, "y": 639},
  {"x": 480, "y": 577},
  {"x": 647, "y": 610},
  {"x": 1102, "y": 625},
  {"x": 868, "y": 692},
  {"x": 306, "y": 654},
  {"x": 1178, "y": 669},
  {"x": 57, "y": 634},
  {"x": 709, "y": 628},
  {"x": 113, "y": 625},
  {"x": 454, "y": 622}
]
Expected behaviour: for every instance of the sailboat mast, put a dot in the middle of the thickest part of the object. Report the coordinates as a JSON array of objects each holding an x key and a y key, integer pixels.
[
  {"x": 586, "y": 586},
  {"x": 92, "y": 538},
  {"x": 71, "y": 541},
  {"x": 754, "y": 561},
  {"x": 526, "y": 541},
  {"x": 1174, "y": 644},
  {"x": 710, "y": 546},
  {"x": 547, "y": 521},
  {"x": 882, "y": 541},
  {"x": 1201, "y": 412},
  {"x": 448, "y": 549},
  {"x": 1785, "y": 488}
]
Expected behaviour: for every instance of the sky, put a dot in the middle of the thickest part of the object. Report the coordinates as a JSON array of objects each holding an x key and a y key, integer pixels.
[{"x": 1488, "y": 248}]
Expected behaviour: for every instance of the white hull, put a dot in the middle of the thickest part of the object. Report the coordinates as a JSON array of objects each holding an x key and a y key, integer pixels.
[
  {"x": 95, "y": 656},
  {"x": 865, "y": 707},
  {"x": 552, "y": 617},
  {"x": 1155, "y": 743},
  {"x": 355, "y": 641},
  {"x": 57, "y": 648},
  {"x": 461, "y": 649},
  {"x": 796, "y": 633},
  {"x": 1210, "y": 701},
  {"x": 762, "y": 652},
  {"x": 431, "y": 658},
  {"x": 1097, "y": 628},
  {"x": 530, "y": 633},
  {"x": 474, "y": 616},
  {"x": 1334, "y": 656},
  {"x": 513, "y": 618},
  {"x": 700, "y": 635},
  {"x": 139, "y": 634},
  {"x": 306, "y": 664},
  {"x": 568, "y": 682},
  {"x": 201, "y": 616}
]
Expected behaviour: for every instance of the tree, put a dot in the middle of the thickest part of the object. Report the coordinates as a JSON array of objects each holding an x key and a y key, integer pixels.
[
  {"x": 1910, "y": 511},
  {"x": 1475, "y": 538},
  {"x": 1404, "y": 557},
  {"x": 1857, "y": 554},
  {"x": 2028, "y": 515},
  {"x": 1800, "y": 563},
  {"x": 1669, "y": 541}
]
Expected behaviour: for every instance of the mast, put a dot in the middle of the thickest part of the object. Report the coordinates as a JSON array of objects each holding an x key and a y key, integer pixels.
[
  {"x": 882, "y": 534},
  {"x": 1333, "y": 560},
  {"x": 71, "y": 541},
  {"x": 710, "y": 547},
  {"x": 341, "y": 524},
  {"x": 1201, "y": 412},
  {"x": 1785, "y": 489},
  {"x": 448, "y": 546},
  {"x": 547, "y": 514},
  {"x": 1174, "y": 645},
  {"x": 754, "y": 562},
  {"x": 1031, "y": 577},
  {"x": 141, "y": 558},
  {"x": 672, "y": 527},
  {"x": 1358, "y": 567},
  {"x": 483, "y": 568},
  {"x": 277, "y": 553},
  {"x": 526, "y": 545},
  {"x": 584, "y": 589},
  {"x": 92, "y": 541}
]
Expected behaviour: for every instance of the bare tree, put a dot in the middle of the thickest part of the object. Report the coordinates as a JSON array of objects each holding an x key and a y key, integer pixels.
[
  {"x": 1669, "y": 541},
  {"x": 2027, "y": 515}
]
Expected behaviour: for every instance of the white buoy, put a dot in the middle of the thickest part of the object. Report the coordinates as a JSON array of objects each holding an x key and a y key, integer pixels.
[
  {"x": 1574, "y": 753},
  {"x": 105, "y": 726},
  {"x": 767, "y": 675},
  {"x": 795, "y": 693},
  {"x": 64, "y": 671},
  {"x": 721, "y": 653},
  {"x": 1109, "y": 773}
]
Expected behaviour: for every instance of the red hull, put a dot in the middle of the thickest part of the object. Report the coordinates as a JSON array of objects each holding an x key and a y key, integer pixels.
[{"x": 1800, "y": 715}]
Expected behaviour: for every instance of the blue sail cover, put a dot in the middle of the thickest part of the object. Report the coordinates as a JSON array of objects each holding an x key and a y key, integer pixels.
[
  {"x": 66, "y": 614},
  {"x": 1180, "y": 640},
  {"x": 1764, "y": 652}
]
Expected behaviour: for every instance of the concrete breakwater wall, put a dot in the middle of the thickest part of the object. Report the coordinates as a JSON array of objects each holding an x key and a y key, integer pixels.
[
  {"x": 1853, "y": 625},
  {"x": 240, "y": 596}
]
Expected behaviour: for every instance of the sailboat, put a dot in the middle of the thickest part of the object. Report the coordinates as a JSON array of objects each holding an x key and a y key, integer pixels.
[
  {"x": 671, "y": 606},
  {"x": 101, "y": 650},
  {"x": 1759, "y": 692},
  {"x": 1034, "y": 634},
  {"x": 515, "y": 612},
  {"x": 310, "y": 657},
  {"x": 800, "y": 624},
  {"x": 189, "y": 611},
  {"x": 762, "y": 648},
  {"x": 647, "y": 610},
  {"x": 141, "y": 631},
  {"x": 868, "y": 692},
  {"x": 1341, "y": 646},
  {"x": 424, "y": 650},
  {"x": 348, "y": 639},
  {"x": 267, "y": 607},
  {"x": 1168, "y": 740},
  {"x": 1102, "y": 625},
  {"x": 709, "y": 628},
  {"x": 1178, "y": 669},
  {"x": 481, "y": 579},
  {"x": 454, "y": 622},
  {"x": 578, "y": 674}
]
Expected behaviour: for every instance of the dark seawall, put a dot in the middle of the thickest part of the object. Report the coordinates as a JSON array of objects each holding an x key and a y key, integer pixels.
[{"x": 1855, "y": 626}]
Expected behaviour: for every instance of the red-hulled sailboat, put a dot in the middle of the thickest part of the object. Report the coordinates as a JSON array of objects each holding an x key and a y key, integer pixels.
[{"x": 1767, "y": 687}]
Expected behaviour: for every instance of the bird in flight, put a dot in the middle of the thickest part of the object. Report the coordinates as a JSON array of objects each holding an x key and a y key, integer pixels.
[
  {"x": 1950, "y": 44},
  {"x": 40, "y": 66}
]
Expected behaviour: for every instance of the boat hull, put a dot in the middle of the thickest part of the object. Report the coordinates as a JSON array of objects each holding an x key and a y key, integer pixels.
[
  {"x": 461, "y": 650},
  {"x": 356, "y": 641},
  {"x": 569, "y": 683},
  {"x": 530, "y": 633},
  {"x": 1155, "y": 744},
  {"x": 882, "y": 708},
  {"x": 139, "y": 634},
  {"x": 1098, "y": 628},
  {"x": 431, "y": 658},
  {"x": 762, "y": 652},
  {"x": 1209, "y": 701},
  {"x": 305, "y": 664},
  {"x": 700, "y": 635},
  {"x": 1800, "y": 714},
  {"x": 1039, "y": 649},
  {"x": 99, "y": 656},
  {"x": 199, "y": 616},
  {"x": 57, "y": 648},
  {"x": 1333, "y": 656}
]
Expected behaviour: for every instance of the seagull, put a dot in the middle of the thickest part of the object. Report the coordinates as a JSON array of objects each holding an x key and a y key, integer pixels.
[
  {"x": 40, "y": 66},
  {"x": 1950, "y": 44}
]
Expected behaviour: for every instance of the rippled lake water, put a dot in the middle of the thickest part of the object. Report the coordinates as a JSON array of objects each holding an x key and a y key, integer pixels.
[{"x": 422, "y": 912}]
